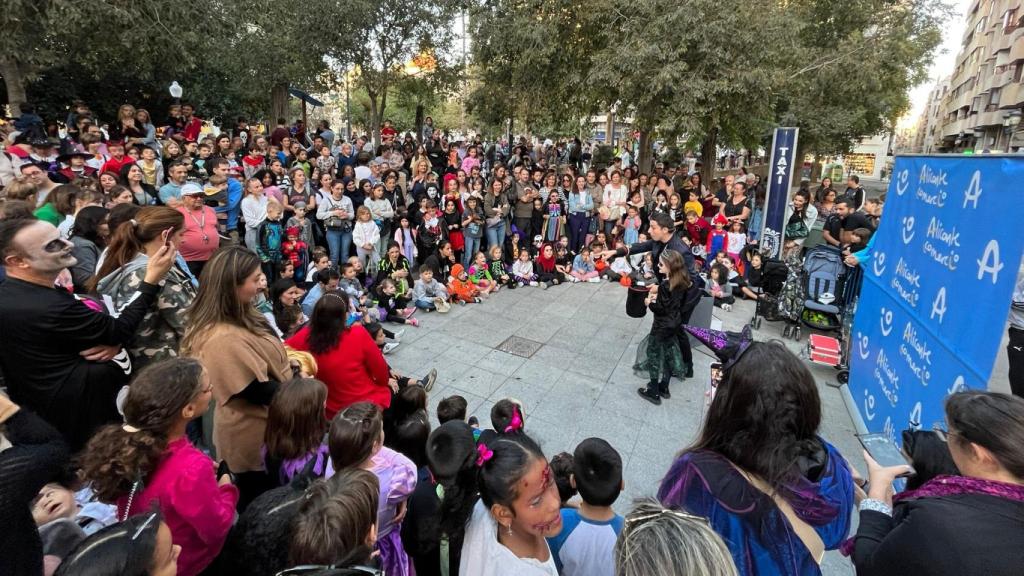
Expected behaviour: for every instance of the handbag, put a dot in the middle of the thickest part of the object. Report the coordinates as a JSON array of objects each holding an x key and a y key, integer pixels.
[
  {"x": 334, "y": 223},
  {"x": 797, "y": 230}
]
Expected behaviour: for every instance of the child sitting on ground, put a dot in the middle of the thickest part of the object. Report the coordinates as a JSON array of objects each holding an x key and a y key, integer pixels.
[
  {"x": 393, "y": 305},
  {"x": 522, "y": 270},
  {"x": 718, "y": 281},
  {"x": 620, "y": 267},
  {"x": 460, "y": 288},
  {"x": 480, "y": 275},
  {"x": 451, "y": 408},
  {"x": 586, "y": 544},
  {"x": 506, "y": 418},
  {"x": 583, "y": 269},
  {"x": 497, "y": 268},
  {"x": 428, "y": 293}
]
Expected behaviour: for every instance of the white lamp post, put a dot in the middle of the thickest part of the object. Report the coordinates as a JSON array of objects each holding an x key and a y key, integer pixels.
[{"x": 175, "y": 90}]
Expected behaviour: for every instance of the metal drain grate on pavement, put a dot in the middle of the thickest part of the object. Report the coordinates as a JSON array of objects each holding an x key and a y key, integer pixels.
[{"x": 521, "y": 347}]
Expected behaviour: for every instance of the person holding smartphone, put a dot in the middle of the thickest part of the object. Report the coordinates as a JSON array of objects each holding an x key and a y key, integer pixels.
[
  {"x": 952, "y": 525},
  {"x": 62, "y": 358}
]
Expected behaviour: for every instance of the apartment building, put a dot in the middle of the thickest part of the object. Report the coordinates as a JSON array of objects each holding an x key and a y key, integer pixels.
[
  {"x": 981, "y": 109},
  {"x": 927, "y": 132}
]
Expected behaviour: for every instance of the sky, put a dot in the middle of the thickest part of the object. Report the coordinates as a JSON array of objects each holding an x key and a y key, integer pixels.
[{"x": 942, "y": 65}]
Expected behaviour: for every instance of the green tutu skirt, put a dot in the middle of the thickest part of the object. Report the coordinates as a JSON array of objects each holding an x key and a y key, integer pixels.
[{"x": 656, "y": 356}]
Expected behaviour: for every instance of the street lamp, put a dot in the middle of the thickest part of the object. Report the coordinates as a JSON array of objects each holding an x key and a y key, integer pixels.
[
  {"x": 1010, "y": 121},
  {"x": 175, "y": 90}
]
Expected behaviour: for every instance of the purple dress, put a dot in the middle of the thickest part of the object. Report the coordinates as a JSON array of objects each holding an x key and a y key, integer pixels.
[{"x": 397, "y": 477}]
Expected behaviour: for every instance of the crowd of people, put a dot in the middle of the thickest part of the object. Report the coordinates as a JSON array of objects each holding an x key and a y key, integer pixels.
[{"x": 195, "y": 363}]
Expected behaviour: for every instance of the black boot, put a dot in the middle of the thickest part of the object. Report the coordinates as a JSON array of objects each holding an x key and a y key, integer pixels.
[
  {"x": 650, "y": 393},
  {"x": 687, "y": 370},
  {"x": 663, "y": 390}
]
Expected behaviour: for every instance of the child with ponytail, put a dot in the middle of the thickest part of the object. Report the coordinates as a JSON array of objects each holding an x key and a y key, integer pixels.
[
  {"x": 518, "y": 509},
  {"x": 149, "y": 460},
  {"x": 356, "y": 440}
]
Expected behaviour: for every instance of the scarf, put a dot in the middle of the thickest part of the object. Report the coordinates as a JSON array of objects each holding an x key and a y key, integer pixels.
[
  {"x": 954, "y": 485},
  {"x": 546, "y": 265}
]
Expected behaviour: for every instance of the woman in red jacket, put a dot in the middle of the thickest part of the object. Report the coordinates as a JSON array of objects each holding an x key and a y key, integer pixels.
[{"x": 349, "y": 362}]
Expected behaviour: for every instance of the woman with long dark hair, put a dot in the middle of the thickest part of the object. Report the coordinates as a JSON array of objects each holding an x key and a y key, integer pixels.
[
  {"x": 89, "y": 235},
  {"x": 951, "y": 525},
  {"x": 349, "y": 362},
  {"x": 777, "y": 493},
  {"x": 132, "y": 178},
  {"x": 131, "y": 246},
  {"x": 245, "y": 359}
]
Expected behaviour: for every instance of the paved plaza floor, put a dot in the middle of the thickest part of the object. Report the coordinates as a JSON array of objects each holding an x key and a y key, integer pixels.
[{"x": 579, "y": 381}]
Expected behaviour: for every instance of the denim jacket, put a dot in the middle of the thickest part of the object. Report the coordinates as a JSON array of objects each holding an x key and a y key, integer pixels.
[{"x": 581, "y": 203}]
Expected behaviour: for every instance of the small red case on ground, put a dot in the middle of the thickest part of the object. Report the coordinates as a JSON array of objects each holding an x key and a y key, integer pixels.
[{"x": 823, "y": 350}]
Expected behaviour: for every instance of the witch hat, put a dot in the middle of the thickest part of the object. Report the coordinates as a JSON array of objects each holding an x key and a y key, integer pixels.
[{"x": 727, "y": 346}]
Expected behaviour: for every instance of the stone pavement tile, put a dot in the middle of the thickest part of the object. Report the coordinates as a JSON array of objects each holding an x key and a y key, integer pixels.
[
  {"x": 594, "y": 366},
  {"x": 500, "y": 362},
  {"x": 488, "y": 335},
  {"x": 554, "y": 436},
  {"x": 465, "y": 351},
  {"x": 478, "y": 381},
  {"x": 540, "y": 329},
  {"x": 614, "y": 337},
  {"x": 574, "y": 336},
  {"x": 572, "y": 395},
  {"x": 539, "y": 374},
  {"x": 529, "y": 394},
  {"x": 659, "y": 445},
  {"x": 552, "y": 355},
  {"x": 560, "y": 309},
  {"x": 610, "y": 424}
]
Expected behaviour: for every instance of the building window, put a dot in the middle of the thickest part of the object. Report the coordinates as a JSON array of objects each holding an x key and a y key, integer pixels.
[
  {"x": 993, "y": 97},
  {"x": 1009, "y": 20}
]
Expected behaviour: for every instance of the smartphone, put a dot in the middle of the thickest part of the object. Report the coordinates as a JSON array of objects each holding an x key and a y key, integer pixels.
[
  {"x": 716, "y": 378},
  {"x": 885, "y": 451},
  {"x": 223, "y": 469}
]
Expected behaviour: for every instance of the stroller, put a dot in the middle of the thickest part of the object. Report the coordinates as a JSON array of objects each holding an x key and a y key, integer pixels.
[
  {"x": 825, "y": 276},
  {"x": 781, "y": 293}
]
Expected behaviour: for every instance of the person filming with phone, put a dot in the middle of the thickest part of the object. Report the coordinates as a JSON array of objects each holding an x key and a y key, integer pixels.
[
  {"x": 62, "y": 358},
  {"x": 952, "y": 525}
]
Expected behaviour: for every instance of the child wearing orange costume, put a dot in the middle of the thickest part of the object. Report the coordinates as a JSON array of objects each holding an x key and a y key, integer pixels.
[{"x": 460, "y": 288}]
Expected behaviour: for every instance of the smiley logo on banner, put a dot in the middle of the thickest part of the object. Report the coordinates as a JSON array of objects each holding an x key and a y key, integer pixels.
[
  {"x": 879, "y": 264},
  {"x": 908, "y": 229},
  {"x": 862, "y": 345},
  {"x": 885, "y": 317},
  {"x": 903, "y": 182},
  {"x": 869, "y": 406}
]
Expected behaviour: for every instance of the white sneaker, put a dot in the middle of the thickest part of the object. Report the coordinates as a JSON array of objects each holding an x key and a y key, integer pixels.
[
  {"x": 390, "y": 347},
  {"x": 398, "y": 334},
  {"x": 594, "y": 280},
  {"x": 573, "y": 279},
  {"x": 533, "y": 283},
  {"x": 727, "y": 307}
]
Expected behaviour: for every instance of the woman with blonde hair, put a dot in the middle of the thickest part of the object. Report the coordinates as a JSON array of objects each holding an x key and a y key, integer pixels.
[
  {"x": 659, "y": 540},
  {"x": 130, "y": 247},
  {"x": 246, "y": 361},
  {"x": 126, "y": 128}
]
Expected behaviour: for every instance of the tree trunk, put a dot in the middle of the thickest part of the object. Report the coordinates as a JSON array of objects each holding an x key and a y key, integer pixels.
[
  {"x": 709, "y": 157},
  {"x": 14, "y": 80},
  {"x": 419, "y": 123},
  {"x": 511, "y": 123},
  {"x": 278, "y": 102},
  {"x": 609, "y": 127},
  {"x": 644, "y": 154},
  {"x": 374, "y": 118}
]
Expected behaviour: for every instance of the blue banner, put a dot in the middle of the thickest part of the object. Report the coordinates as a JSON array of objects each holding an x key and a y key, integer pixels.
[
  {"x": 780, "y": 174},
  {"x": 936, "y": 292}
]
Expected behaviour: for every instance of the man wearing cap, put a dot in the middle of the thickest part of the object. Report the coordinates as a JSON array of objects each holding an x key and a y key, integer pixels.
[
  {"x": 62, "y": 358},
  {"x": 37, "y": 175},
  {"x": 199, "y": 238},
  {"x": 170, "y": 193}
]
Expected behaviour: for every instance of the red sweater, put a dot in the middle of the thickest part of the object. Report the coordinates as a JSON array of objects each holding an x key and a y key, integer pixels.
[
  {"x": 354, "y": 370},
  {"x": 114, "y": 165}
]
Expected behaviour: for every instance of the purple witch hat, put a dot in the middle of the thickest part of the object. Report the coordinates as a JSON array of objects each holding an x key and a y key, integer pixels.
[{"x": 728, "y": 346}]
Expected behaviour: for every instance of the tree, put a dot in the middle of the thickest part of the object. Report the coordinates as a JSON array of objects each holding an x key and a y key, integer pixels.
[
  {"x": 392, "y": 41},
  {"x": 102, "y": 34}
]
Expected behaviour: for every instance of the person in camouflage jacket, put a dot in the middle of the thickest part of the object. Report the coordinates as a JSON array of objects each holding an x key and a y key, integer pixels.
[{"x": 163, "y": 326}]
